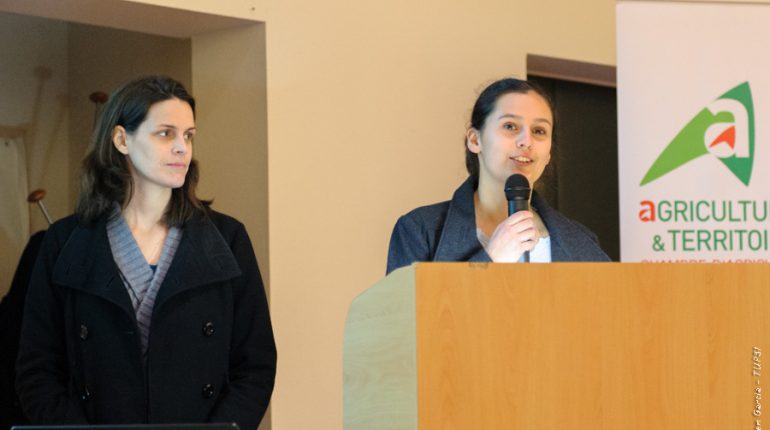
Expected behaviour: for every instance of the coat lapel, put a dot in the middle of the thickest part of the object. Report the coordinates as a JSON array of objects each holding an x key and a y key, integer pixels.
[
  {"x": 458, "y": 241},
  {"x": 85, "y": 263},
  {"x": 203, "y": 257}
]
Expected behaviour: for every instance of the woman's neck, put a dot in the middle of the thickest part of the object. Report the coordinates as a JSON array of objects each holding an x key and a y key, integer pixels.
[
  {"x": 146, "y": 208},
  {"x": 144, "y": 216},
  {"x": 490, "y": 204}
]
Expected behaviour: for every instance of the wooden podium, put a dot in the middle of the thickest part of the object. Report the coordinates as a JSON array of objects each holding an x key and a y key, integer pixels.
[{"x": 560, "y": 346}]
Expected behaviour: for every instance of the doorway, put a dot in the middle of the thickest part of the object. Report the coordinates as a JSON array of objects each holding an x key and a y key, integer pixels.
[{"x": 582, "y": 182}]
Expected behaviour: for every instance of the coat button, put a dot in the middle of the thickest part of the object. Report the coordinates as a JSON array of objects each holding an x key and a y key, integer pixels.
[
  {"x": 208, "y": 329},
  {"x": 208, "y": 391},
  {"x": 86, "y": 394},
  {"x": 83, "y": 332}
]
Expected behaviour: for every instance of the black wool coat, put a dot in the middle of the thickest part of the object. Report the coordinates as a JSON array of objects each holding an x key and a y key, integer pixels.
[{"x": 211, "y": 354}]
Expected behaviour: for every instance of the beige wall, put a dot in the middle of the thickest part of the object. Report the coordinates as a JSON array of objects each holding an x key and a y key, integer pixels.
[
  {"x": 231, "y": 143},
  {"x": 366, "y": 107},
  {"x": 367, "y": 103}
]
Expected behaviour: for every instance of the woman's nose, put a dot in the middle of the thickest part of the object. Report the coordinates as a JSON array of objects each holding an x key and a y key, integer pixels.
[
  {"x": 524, "y": 139},
  {"x": 180, "y": 146}
]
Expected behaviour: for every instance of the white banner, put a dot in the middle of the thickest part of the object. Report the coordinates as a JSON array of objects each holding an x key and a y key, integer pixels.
[{"x": 694, "y": 131}]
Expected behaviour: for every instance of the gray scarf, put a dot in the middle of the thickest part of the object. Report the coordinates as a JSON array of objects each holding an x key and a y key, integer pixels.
[{"x": 142, "y": 283}]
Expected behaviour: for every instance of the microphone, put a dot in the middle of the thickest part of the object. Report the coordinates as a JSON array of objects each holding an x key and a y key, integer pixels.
[{"x": 517, "y": 192}]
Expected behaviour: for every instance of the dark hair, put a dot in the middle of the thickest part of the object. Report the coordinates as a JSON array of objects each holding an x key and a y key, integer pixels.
[
  {"x": 486, "y": 103},
  {"x": 105, "y": 178}
]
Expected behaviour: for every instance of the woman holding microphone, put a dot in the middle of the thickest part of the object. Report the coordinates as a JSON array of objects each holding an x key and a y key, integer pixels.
[{"x": 510, "y": 132}]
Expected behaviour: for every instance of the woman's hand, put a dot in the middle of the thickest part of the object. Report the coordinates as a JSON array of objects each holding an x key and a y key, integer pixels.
[{"x": 515, "y": 235}]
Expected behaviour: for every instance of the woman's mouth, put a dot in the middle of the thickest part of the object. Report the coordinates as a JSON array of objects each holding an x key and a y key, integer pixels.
[{"x": 520, "y": 159}]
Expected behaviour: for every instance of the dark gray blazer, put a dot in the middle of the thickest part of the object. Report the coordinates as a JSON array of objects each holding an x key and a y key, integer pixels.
[{"x": 446, "y": 231}]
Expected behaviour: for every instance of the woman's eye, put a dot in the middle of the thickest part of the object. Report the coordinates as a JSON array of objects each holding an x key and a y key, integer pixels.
[
  {"x": 189, "y": 137},
  {"x": 164, "y": 133},
  {"x": 510, "y": 126}
]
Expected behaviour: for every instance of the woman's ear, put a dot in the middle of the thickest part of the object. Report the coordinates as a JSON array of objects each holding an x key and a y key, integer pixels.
[
  {"x": 119, "y": 136},
  {"x": 473, "y": 140}
]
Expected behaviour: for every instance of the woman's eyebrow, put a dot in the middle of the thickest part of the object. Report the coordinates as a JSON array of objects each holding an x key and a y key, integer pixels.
[
  {"x": 174, "y": 127},
  {"x": 514, "y": 116}
]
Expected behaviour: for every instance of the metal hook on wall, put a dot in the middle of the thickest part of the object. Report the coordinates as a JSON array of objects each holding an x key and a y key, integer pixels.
[{"x": 37, "y": 197}]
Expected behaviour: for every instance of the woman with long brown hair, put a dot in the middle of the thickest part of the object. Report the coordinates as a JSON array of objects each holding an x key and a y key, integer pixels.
[{"x": 145, "y": 306}]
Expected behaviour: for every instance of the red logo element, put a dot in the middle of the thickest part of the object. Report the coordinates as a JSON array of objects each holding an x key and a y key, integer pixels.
[{"x": 727, "y": 136}]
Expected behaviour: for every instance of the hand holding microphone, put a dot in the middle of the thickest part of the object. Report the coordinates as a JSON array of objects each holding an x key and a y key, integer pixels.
[{"x": 517, "y": 234}]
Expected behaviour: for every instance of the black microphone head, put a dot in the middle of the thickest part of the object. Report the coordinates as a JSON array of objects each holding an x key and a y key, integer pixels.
[{"x": 517, "y": 187}]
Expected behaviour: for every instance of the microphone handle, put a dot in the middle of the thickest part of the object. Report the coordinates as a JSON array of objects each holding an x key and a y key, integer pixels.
[{"x": 514, "y": 206}]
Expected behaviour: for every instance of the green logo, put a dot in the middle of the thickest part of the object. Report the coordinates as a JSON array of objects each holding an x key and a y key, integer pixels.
[{"x": 724, "y": 128}]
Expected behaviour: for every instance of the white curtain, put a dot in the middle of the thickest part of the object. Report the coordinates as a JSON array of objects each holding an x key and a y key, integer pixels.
[{"x": 14, "y": 209}]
